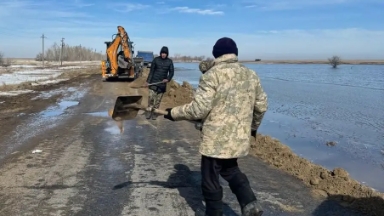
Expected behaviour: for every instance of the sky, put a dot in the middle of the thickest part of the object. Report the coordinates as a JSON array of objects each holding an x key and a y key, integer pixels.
[{"x": 265, "y": 29}]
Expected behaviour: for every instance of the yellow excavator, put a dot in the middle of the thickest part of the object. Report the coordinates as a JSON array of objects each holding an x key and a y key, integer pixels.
[{"x": 120, "y": 62}]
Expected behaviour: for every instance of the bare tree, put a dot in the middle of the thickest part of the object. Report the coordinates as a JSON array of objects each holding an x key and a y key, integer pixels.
[
  {"x": 184, "y": 58},
  {"x": 1, "y": 58},
  {"x": 5, "y": 62},
  {"x": 69, "y": 53},
  {"x": 334, "y": 61}
]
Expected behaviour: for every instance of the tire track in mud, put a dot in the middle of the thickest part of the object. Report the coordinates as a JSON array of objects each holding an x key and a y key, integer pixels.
[
  {"x": 163, "y": 180},
  {"x": 109, "y": 166},
  {"x": 112, "y": 160},
  {"x": 44, "y": 183}
]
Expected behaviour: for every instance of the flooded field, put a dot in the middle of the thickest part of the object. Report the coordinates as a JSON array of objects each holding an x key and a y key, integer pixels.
[{"x": 331, "y": 116}]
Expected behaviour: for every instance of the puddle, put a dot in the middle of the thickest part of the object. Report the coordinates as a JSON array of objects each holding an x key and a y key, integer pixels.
[
  {"x": 40, "y": 122},
  {"x": 99, "y": 114},
  {"x": 116, "y": 128},
  {"x": 72, "y": 89},
  {"x": 63, "y": 105}
]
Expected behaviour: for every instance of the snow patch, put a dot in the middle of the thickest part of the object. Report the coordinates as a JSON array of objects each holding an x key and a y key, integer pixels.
[
  {"x": 28, "y": 76},
  {"x": 15, "y": 93},
  {"x": 71, "y": 67},
  {"x": 54, "y": 81},
  {"x": 22, "y": 66}
]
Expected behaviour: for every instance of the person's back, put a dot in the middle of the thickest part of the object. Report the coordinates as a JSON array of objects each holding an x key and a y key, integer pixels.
[
  {"x": 231, "y": 104},
  {"x": 231, "y": 116}
]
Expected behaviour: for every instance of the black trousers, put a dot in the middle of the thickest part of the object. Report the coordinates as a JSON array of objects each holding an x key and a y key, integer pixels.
[{"x": 211, "y": 169}]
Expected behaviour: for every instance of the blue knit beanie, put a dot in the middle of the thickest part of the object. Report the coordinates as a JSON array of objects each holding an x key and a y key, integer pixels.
[{"x": 223, "y": 46}]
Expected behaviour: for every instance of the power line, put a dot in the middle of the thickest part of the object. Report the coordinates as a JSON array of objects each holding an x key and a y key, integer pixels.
[
  {"x": 42, "y": 38},
  {"x": 61, "y": 51}
]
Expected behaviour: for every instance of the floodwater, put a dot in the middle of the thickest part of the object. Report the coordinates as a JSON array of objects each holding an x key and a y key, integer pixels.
[{"x": 310, "y": 105}]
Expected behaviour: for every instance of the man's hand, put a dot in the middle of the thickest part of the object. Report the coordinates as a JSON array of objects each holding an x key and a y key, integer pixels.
[
  {"x": 169, "y": 116},
  {"x": 145, "y": 84},
  {"x": 165, "y": 80}
]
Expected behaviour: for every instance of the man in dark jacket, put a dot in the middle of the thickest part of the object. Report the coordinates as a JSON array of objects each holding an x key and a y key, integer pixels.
[{"x": 162, "y": 70}]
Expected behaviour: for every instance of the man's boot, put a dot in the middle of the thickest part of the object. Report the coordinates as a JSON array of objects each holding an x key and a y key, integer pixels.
[
  {"x": 154, "y": 116},
  {"x": 240, "y": 187},
  {"x": 148, "y": 115},
  {"x": 213, "y": 204}
]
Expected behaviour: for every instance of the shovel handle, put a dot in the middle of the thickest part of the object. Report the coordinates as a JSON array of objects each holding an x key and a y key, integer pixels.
[
  {"x": 163, "y": 112},
  {"x": 156, "y": 83},
  {"x": 159, "y": 111}
]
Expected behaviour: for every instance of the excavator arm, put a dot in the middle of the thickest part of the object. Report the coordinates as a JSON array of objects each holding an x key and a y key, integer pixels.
[
  {"x": 112, "y": 54},
  {"x": 121, "y": 40},
  {"x": 124, "y": 43}
]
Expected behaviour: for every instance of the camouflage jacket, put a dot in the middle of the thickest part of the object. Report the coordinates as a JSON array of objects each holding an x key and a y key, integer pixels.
[{"x": 230, "y": 101}]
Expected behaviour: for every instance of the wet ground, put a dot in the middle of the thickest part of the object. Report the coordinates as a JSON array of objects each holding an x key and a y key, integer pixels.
[
  {"x": 311, "y": 105},
  {"x": 62, "y": 155}
]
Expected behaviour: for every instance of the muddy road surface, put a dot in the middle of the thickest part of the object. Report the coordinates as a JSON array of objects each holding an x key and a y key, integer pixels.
[{"x": 61, "y": 154}]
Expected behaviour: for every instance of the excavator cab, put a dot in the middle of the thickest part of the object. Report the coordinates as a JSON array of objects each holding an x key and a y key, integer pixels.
[{"x": 120, "y": 61}]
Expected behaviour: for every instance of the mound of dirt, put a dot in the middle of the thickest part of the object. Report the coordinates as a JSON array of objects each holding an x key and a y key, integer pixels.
[
  {"x": 335, "y": 184},
  {"x": 176, "y": 94}
]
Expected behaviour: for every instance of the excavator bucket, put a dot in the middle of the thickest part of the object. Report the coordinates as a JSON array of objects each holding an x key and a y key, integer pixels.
[{"x": 127, "y": 107}]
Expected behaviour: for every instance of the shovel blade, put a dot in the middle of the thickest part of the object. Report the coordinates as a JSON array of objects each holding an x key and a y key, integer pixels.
[{"x": 122, "y": 110}]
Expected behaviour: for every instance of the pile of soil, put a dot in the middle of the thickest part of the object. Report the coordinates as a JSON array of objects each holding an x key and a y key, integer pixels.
[
  {"x": 175, "y": 95},
  {"x": 335, "y": 184}
]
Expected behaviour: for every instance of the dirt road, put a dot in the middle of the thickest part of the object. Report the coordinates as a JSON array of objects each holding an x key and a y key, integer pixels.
[{"x": 87, "y": 167}]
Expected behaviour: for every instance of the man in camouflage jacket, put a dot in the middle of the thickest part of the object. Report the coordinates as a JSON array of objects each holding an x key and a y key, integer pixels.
[{"x": 231, "y": 103}]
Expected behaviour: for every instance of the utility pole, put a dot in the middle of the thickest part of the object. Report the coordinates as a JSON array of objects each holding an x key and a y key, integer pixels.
[
  {"x": 61, "y": 51},
  {"x": 42, "y": 38}
]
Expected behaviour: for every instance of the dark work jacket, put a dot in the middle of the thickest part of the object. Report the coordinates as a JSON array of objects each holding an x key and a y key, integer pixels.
[{"x": 160, "y": 69}]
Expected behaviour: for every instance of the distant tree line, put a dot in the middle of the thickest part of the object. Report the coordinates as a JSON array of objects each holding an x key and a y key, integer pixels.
[
  {"x": 70, "y": 53},
  {"x": 185, "y": 58},
  {"x": 1, "y": 58},
  {"x": 5, "y": 62}
]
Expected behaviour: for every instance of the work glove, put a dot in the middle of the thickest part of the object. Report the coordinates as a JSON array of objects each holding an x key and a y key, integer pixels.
[
  {"x": 199, "y": 124},
  {"x": 169, "y": 116},
  {"x": 253, "y": 133}
]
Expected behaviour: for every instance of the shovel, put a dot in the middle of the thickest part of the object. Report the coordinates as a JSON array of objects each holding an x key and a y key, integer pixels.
[
  {"x": 147, "y": 85},
  {"x": 127, "y": 108}
]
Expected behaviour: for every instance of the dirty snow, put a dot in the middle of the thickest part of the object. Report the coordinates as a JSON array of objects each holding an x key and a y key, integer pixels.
[
  {"x": 48, "y": 94},
  {"x": 29, "y": 73},
  {"x": 22, "y": 66},
  {"x": 14, "y": 93},
  {"x": 19, "y": 77},
  {"x": 54, "y": 81},
  {"x": 71, "y": 67}
]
